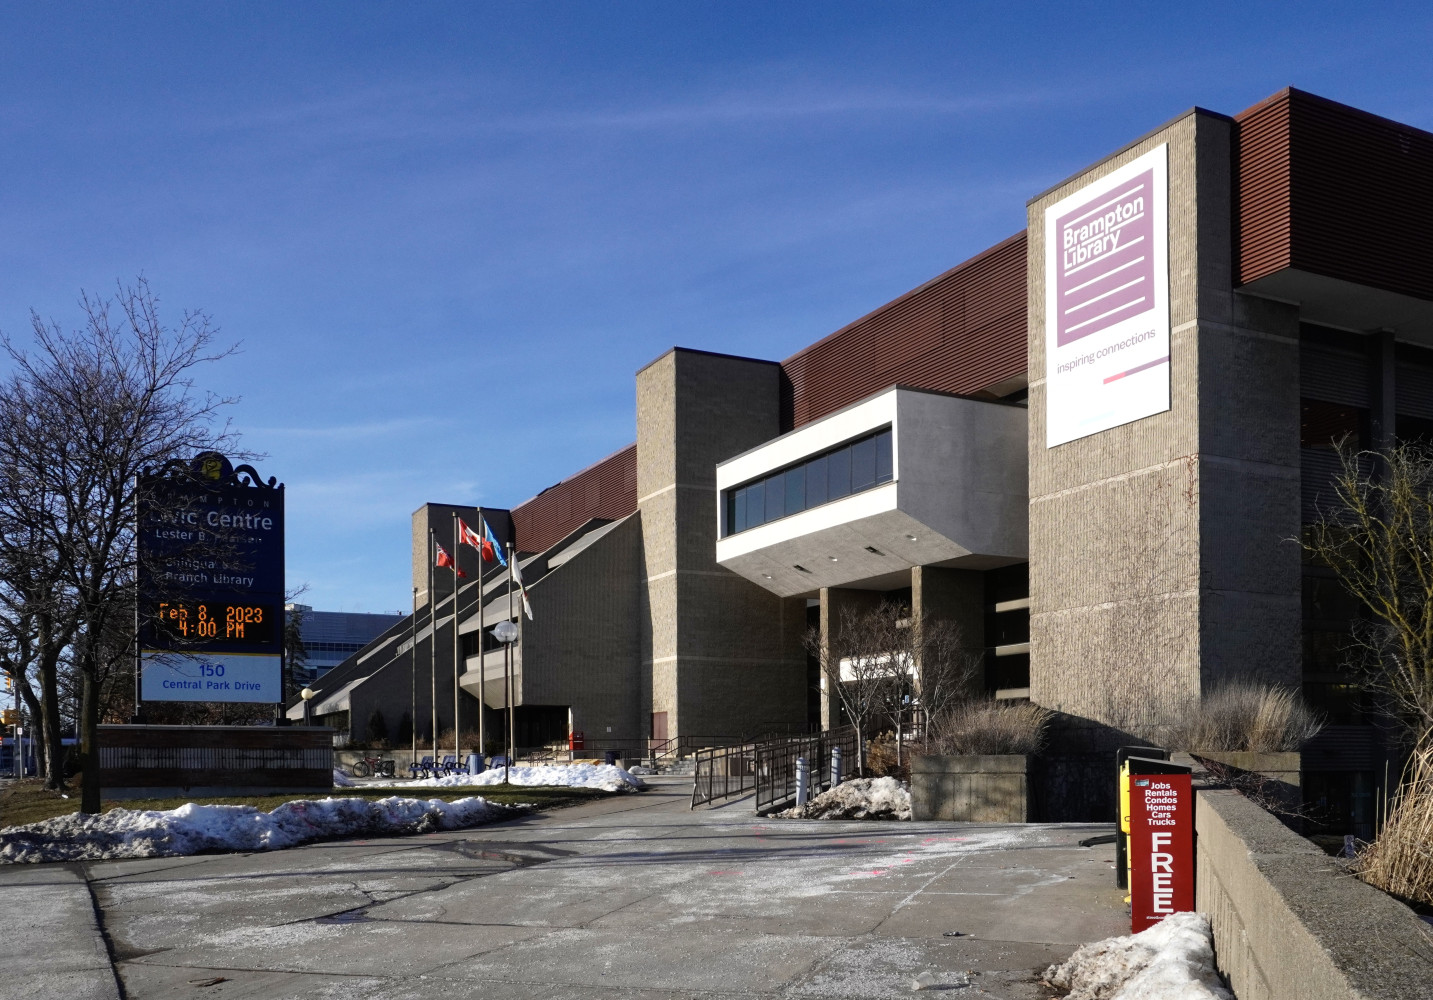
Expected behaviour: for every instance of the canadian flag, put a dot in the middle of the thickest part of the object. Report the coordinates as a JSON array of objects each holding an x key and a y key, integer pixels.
[
  {"x": 488, "y": 545},
  {"x": 467, "y": 536},
  {"x": 447, "y": 562}
]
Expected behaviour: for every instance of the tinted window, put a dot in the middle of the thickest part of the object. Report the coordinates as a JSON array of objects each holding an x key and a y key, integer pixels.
[
  {"x": 816, "y": 481},
  {"x": 796, "y": 489},
  {"x": 838, "y": 474},
  {"x": 775, "y": 497},
  {"x": 884, "y": 465},
  {"x": 863, "y": 464}
]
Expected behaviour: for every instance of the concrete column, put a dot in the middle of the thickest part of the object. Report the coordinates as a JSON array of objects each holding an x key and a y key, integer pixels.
[
  {"x": 836, "y": 601},
  {"x": 1161, "y": 552},
  {"x": 956, "y": 596},
  {"x": 720, "y": 655}
]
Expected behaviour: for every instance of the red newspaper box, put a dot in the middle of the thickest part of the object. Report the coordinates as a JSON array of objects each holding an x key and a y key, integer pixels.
[{"x": 1161, "y": 841}]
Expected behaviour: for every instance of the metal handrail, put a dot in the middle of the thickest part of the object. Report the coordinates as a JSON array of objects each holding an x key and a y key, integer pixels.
[
  {"x": 722, "y": 772},
  {"x": 775, "y": 765},
  {"x": 768, "y": 767}
]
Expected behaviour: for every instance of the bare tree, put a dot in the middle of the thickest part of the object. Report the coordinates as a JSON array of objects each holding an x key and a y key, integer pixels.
[
  {"x": 876, "y": 657},
  {"x": 100, "y": 405},
  {"x": 1377, "y": 537}
]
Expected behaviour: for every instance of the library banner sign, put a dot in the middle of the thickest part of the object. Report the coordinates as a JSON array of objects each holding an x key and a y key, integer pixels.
[
  {"x": 211, "y": 584},
  {"x": 1107, "y": 301}
]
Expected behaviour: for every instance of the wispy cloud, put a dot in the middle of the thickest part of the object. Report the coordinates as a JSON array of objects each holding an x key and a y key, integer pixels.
[{"x": 361, "y": 431}]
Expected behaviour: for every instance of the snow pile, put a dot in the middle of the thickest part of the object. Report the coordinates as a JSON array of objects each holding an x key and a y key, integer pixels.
[
  {"x": 606, "y": 777},
  {"x": 859, "y": 798},
  {"x": 341, "y": 780},
  {"x": 190, "y": 829},
  {"x": 1173, "y": 960}
]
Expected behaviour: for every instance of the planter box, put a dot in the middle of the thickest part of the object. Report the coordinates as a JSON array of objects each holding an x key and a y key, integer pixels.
[
  {"x": 1276, "y": 774},
  {"x": 983, "y": 789}
]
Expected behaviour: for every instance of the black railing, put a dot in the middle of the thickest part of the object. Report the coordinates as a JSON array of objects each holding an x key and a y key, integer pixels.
[
  {"x": 775, "y": 765},
  {"x": 768, "y": 767},
  {"x": 723, "y": 772}
]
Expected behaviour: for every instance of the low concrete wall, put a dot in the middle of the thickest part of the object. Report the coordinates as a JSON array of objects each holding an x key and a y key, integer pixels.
[
  {"x": 975, "y": 789},
  {"x": 1290, "y": 923}
]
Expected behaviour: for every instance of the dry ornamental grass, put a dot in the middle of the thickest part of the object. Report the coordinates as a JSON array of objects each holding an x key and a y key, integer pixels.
[
  {"x": 1400, "y": 861},
  {"x": 1242, "y": 717}
]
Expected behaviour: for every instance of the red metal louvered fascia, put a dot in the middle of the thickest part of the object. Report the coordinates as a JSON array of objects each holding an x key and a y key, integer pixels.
[
  {"x": 607, "y": 489},
  {"x": 1261, "y": 185},
  {"x": 960, "y": 332},
  {"x": 1332, "y": 190}
]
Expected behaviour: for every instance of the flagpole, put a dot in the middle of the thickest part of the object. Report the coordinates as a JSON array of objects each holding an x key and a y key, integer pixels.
[
  {"x": 482, "y": 657},
  {"x": 457, "y": 652},
  {"x": 412, "y": 688},
  {"x": 512, "y": 734},
  {"x": 433, "y": 634}
]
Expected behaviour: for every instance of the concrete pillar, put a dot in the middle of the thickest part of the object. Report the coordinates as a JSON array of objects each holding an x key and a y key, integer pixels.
[
  {"x": 956, "y": 596},
  {"x": 721, "y": 656},
  {"x": 836, "y": 601},
  {"x": 1162, "y": 558}
]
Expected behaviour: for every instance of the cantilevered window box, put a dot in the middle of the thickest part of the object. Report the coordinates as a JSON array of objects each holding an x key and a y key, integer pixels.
[{"x": 902, "y": 478}]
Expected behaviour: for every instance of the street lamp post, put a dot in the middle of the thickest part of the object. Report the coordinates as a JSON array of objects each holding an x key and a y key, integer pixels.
[
  {"x": 506, "y": 633},
  {"x": 307, "y": 695}
]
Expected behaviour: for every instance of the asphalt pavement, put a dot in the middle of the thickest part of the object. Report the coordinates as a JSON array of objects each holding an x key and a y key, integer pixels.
[{"x": 626, "y": 898}]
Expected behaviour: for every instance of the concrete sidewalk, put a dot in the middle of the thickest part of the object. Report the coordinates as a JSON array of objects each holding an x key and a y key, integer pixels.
[
  {"x": 629, "y": 897},
  {"x": 51, "y": 947}
]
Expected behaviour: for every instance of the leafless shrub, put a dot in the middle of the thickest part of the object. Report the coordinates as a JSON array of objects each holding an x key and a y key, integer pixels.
[
  {"x": 878, "y": 658},
  {"x": 985, "y": 727},
  {"x": 1400, "y": 861},
  {"x": 883, "y": 759},
  {"x": 1244, "y": 717},
  {"x": 1374, "y": 536}
]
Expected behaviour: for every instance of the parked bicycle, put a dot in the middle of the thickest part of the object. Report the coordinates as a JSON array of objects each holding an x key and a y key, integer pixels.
[{"x": 367, "y": 767}]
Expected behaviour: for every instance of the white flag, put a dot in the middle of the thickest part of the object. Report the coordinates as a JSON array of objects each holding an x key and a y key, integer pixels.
[{"x": 517, "y": 579}]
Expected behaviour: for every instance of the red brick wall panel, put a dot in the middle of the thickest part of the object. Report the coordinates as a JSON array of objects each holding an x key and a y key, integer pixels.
[
  {"x": 607, "y": 489},
  {"x": 961, "y": 332}
]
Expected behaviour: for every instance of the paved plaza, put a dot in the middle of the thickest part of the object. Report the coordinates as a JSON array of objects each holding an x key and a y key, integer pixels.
[{"x": 628, "y": 898}]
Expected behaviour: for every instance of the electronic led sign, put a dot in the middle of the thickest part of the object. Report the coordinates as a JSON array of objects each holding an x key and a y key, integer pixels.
[{"x": 211, "y": 552}]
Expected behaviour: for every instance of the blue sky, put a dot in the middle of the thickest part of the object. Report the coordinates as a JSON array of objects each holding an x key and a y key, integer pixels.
[{"x": 408, "y": 214}]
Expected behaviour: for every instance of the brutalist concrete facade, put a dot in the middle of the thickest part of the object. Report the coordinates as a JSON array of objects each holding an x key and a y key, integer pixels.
[
  {"x": 1163, "y": 552},
  {"x": 721, "y": 655}
]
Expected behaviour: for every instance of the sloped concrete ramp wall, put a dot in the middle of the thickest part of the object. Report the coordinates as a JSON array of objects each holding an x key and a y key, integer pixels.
[{"x": 1290, "y": 924}]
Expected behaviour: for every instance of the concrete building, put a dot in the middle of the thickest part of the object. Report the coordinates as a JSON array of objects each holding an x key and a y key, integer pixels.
[{"x": 1093, "y": 446}]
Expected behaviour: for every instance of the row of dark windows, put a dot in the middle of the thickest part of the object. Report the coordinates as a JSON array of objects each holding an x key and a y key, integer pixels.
[
  {"x": 855, "y": 466},
  {"x": 334, "y": 647}
]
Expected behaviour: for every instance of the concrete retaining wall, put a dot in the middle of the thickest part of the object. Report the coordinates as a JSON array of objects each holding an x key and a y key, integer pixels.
[
  {"x": 1290, "y": 924},
  {"x": 974, "y": 789}
]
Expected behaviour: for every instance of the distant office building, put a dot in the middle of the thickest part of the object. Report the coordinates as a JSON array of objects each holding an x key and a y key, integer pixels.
[{"x": 330, "y": 637}]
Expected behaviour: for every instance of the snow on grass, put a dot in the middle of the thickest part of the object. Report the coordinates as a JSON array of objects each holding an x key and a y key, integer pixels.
[
  {"x": 607, "y": 777},
  {"x": 341, "y": 780},
  {"x": 190, "y": 829},
  {"x": 1173, "y": 960},
  {"x": 859, "y": 798}
]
